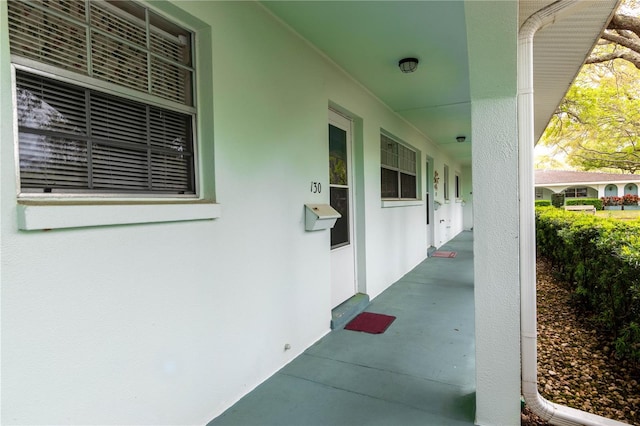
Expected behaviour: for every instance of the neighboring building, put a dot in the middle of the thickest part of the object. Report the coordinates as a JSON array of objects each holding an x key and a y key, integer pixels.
[
  {"x": 157, "y": 157},
  {"x": 576, "y": 184}
]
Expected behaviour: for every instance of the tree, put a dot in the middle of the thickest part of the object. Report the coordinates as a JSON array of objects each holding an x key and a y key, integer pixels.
[
  {"x": 621, "y": 38},
  {"x": 597, "y": 125}
]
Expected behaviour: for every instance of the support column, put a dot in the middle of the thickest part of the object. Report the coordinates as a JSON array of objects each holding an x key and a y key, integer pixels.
[{"x": 496, "y": 266}]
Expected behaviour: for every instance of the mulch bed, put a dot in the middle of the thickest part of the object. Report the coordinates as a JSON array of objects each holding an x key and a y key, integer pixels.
[{"x": 577, "y": 365}]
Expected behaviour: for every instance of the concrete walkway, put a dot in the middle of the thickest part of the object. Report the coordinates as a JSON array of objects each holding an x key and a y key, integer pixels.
[{"x": 421, "y": 371}]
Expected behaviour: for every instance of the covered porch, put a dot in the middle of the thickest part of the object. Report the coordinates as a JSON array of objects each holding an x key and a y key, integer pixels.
[
  {"x": 149, "y": 309},
  {"x": 421, "y": 370}
]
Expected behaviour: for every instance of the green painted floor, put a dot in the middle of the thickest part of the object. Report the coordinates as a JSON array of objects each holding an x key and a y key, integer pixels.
[{"x": 421, "y": 371}]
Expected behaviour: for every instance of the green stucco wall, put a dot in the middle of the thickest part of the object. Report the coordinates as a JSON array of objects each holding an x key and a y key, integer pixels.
[{"x": 172, "y": 322}]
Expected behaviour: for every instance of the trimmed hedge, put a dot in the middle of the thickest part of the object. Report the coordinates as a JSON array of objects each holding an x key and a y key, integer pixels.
[
  {"x": 596, "y": 202},
  {"x": 543, "y": 203},
  {"x": 557, "y": 199},
  {"x": 600, "y": 258}
]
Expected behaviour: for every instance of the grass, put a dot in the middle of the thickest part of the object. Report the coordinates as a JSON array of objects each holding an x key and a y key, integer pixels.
[{"x": 619, "y": 214}]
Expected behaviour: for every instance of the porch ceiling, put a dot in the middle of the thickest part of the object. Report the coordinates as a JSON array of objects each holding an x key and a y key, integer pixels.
[{"x": 368, "y": 38}]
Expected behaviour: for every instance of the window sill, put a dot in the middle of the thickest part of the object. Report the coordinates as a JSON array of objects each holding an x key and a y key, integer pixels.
[
  {"x": 401, "y": 203},
  {"x": 42, "y": 215}
]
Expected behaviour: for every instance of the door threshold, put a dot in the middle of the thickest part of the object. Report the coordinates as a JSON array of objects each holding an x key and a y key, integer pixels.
[{"x": 346, "y": 311}]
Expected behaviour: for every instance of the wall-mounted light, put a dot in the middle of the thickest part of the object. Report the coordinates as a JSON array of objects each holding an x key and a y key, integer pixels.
[
  {"x": 408, "y": 65},
  {"x": 461, "y": 138}
]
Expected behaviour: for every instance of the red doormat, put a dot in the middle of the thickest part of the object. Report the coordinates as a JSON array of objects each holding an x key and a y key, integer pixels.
[
  {"x": 369, "y": 322},
  {"x": 449, "y": 254}
]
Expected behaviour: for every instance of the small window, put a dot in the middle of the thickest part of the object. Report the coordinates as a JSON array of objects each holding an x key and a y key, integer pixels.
[
  {"x": 577, "y": 192},
  {"x": 104, "y": 99},
  {"x": 539, "y": 193},
  {"x": 446, "y": 182},
  {"x": 457, "y": 188},
  {"x": 398, "y": 170}
]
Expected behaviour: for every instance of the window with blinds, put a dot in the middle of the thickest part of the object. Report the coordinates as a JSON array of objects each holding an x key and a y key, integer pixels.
[
  {"x": 577, "y": 192},
  {"x": 398, "y": 170},
  {"x": 104, "y": 98}
]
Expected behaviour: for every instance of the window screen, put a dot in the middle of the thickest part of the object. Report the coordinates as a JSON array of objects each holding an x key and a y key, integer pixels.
[
  {"x": 576, "y": 192},
  {"x": 79, "y": 135},
  {"x": 74, "y": 138},
  {"x": 398, "y": 170}
]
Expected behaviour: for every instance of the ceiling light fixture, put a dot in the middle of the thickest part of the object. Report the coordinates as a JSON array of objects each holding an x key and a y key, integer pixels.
[
  {"x": 408, "y": 65},
  {"x": 461, "y": 138}
]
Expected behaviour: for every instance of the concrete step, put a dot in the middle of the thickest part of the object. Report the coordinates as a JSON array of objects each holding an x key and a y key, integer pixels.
[{"x": 346, "y": 311}]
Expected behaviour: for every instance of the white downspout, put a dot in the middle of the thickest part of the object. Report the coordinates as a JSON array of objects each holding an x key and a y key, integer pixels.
[{"x": 549, "y": 411}]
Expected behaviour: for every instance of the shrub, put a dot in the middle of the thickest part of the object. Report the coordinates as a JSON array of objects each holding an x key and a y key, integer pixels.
[
  {"x": 596, "y": 202},
  {"x": 557, "y": 200},
  {"x": 630, "y": 200},
  {"x": 611, "y": 201},
  {"x": 543, "y": 203},
  {"x": 600, "y": 259}
]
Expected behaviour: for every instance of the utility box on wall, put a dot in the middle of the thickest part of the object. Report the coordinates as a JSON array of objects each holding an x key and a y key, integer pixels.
[{"x": 320, "y": 216}]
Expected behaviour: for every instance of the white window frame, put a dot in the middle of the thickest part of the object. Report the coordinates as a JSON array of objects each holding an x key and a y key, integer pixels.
[
  {"x": 83, "y": 193},
  {"x": 539, "y": 193},
  {"x": 394, "y": 166},
  {"x": 574, "y": 191},
  {"x": 52, "y": 211}
]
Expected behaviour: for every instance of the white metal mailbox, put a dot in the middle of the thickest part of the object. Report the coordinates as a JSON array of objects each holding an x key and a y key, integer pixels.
[{"x": 320, "y": 216}]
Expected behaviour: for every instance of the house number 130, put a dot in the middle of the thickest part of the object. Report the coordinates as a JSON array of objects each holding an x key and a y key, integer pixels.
[{"x": 316, "y": 187}]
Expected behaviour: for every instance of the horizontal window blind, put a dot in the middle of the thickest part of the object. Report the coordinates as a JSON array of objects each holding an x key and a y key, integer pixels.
[
  {"x": 397, "y": 156},
  {"x": 44, "y": 36},
  {"x": 398, "y": 169},
  {"x": 406, "y": 159},
  {"x": 388, "y": 152},
  {"x": 389, "y": 183},
  {"x": 82, "y": 137},
  {"x": 119, "y": 42},
  {"x": 408, "y": 185},
  {"x": 79, "y": 139}
]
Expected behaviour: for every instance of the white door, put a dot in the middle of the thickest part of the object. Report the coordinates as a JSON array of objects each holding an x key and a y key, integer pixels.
[{"x": 343, "y": 280}]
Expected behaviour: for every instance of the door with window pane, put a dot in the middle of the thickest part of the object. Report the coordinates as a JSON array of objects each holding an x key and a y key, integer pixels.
[{"x": 343, "y": 283}]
